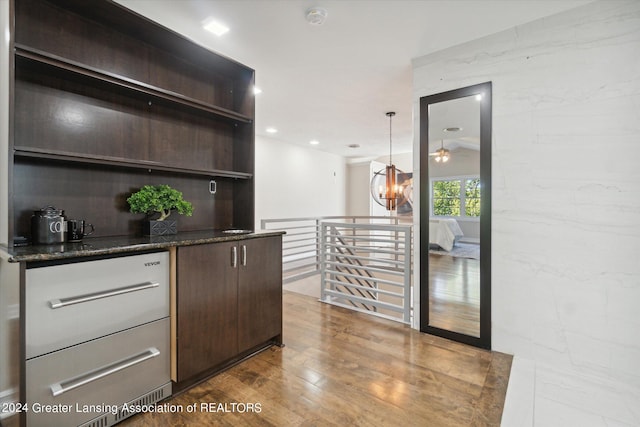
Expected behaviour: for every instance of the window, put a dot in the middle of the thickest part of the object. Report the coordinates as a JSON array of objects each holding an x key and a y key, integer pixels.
[
  {"x": 446, "y": 198},
  {"x": 472, "y": 197},
  {"x": 457, "y": 197}
]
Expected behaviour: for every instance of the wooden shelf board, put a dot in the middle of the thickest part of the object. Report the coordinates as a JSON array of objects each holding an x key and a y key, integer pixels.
[
  {"x": 47, "y": 59},
  {"x": 122, "y": 162}
]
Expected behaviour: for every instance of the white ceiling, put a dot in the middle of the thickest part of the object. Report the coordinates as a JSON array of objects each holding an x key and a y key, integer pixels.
[
  {"x": 462, "y": 114},
  {"x": 335, "y": 82}
]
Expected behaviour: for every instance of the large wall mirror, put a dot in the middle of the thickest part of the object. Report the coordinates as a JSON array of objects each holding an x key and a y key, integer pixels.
[{"x": 455, "y": 215}]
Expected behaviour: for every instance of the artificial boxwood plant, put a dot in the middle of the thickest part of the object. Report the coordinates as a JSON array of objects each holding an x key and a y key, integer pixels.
[{"x": 161, "y": 199}]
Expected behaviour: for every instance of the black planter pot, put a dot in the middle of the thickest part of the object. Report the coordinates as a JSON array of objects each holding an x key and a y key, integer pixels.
[{"x": 159, "y": 228}]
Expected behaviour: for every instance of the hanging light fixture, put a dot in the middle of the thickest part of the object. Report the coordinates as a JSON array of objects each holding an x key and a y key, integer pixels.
[
  {"x": 386, "y": 187},
  {"x": 442, "y": 155}
]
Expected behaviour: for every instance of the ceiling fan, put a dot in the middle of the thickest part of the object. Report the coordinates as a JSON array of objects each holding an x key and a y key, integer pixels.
[{"x": 441, "y": 155}]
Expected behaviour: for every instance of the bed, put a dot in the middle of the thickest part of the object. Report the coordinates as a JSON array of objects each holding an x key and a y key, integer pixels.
[{"x": 444, "y": 233}]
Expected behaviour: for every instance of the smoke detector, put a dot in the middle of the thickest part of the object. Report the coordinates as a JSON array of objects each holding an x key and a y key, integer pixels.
[{"x": 316, "y": 15}]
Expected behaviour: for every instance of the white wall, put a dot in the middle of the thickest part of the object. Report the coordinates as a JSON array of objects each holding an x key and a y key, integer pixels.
[
  {"x": 9, "y": 273},
  {"x": 358, "y": 189},
  {"x": 293, "y": 181},
  {"x": 5, "y": 54},
  {"x": 403, "y": 161},
  {"x": 566, "y": 194}
]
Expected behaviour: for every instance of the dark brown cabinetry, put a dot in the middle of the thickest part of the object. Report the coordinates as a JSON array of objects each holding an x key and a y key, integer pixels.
[
  {"x": 229, "y": 302},
  {"x": 207, "y": 313},
  {"x": 259, "y": 292},
  {"x": 105, "y": 101}
]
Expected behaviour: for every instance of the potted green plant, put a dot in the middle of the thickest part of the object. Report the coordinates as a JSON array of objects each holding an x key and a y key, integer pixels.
[{"x": 159, "y": 201}]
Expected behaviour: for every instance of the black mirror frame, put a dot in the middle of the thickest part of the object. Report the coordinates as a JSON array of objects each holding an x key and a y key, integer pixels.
[{"x": 484, "y": 341}]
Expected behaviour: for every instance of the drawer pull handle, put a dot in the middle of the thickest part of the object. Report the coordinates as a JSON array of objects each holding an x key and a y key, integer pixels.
[
  {"x": 70, "y": 384},
  {"x": 63, "y": 302},
  {"x": 244, "y": 255}
]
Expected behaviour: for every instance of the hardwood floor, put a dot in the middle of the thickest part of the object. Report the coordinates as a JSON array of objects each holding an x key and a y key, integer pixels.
[
  {"x": 340, "y": 367},
  {"x": 454, "y": 294}
]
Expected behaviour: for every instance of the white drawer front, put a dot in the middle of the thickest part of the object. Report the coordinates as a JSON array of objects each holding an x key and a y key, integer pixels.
[
  {"x": 72, "y": 303},
  {"x": 77, "y": 384}
]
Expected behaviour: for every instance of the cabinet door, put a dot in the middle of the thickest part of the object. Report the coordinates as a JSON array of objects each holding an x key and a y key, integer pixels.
[
  {"x": 259, "y": 291},
  {"x": 207, "y": 315}
]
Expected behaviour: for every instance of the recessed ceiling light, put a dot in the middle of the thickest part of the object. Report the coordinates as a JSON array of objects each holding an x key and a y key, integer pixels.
[
  {"x": 215, "y": 27},
  {"x": 271, "y": 130},
  {"x": 316, "y": 15},
  {"x": 314, "y": 142},
  {"x": 353, "y": 145},
  {"x": 256, "y": 90},
  {"x": 479, "y": 97}
]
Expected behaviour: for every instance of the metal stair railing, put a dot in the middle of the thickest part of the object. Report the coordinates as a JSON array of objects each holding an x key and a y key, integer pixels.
[
  {"x": 366, "y": 265},
  {"x": 300, "y": 244},
  {"x": 367, "y": 268},
  {"x": 358, "y": 275}
]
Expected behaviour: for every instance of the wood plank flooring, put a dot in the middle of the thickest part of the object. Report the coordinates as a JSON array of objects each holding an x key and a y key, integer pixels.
[
  {"x": 454, "y": 294},
  {"x": 340, "y": 367}
]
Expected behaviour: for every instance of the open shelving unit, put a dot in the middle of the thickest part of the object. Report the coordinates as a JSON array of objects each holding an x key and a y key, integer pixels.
[{"x": 105, "y": 101}]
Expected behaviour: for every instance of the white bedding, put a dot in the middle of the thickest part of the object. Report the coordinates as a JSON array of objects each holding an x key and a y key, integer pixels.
[{"x": 444, "y": 233}]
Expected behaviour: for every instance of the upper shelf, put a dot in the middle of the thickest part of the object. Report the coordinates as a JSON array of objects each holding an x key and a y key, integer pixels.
[
  {"x": 41, "y": 58},
  {"x": 65, "y": 156}
]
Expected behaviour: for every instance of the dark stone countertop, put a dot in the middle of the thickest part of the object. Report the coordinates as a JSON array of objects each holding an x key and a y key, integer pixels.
[{"x": 122, "y": 244}]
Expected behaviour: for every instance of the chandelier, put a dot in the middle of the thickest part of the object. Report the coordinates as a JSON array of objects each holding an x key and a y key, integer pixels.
[{"x": 387, "y": 184}]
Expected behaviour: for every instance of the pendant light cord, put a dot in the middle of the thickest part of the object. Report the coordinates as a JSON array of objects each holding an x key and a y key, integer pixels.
[
  {"x": 390, "y": 114},
  {"x": 390, "y": 142}
]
